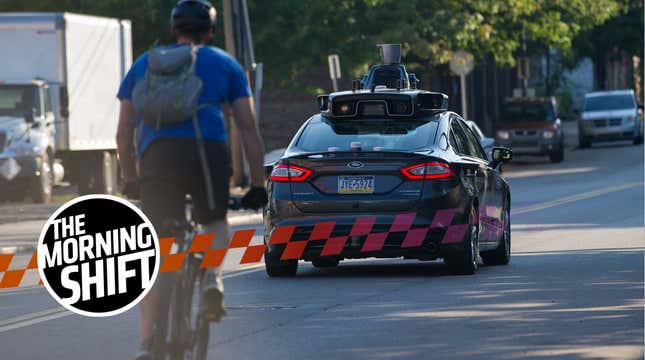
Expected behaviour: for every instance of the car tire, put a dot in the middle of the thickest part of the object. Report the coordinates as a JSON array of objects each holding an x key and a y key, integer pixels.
[
  {"x": 41, "y": 187},
  {"x": 466, "y": 262},
  {"x": 557, "y": 156},
  {"x": 279, "y": 268},
  {"x": 502, "y": 254},
  {"x": 584, "y": 142},
  {"x": 324, "y": 262}
]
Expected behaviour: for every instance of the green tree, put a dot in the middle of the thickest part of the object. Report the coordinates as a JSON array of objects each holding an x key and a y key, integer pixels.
[{"x": 291, "y": 36}]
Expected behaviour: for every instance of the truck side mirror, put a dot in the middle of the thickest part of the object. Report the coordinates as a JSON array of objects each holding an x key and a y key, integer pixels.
[
  {"x": 64, "y": 102},
  {"x": 501, "y": 155},
  {"x": 30, "y": 116}
]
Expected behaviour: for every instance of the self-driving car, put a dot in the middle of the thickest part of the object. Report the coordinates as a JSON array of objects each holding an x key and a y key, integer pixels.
[{"x": 386, "y": 173}]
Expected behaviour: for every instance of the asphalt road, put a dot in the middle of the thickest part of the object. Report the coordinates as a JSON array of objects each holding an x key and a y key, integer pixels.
[{"x": 573, "y": 290}]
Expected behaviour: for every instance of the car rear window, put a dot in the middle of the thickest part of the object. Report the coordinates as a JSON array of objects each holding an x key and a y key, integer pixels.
[
  {"x": 373, "y": 135},
  {"x": 528, "y": 112},
  {"x": 609, "y": 102}
]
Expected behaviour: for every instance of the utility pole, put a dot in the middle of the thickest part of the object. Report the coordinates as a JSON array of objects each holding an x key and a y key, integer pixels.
[
  {"x": 462, "y": 63},
  {"x": 239, "y": 43}
]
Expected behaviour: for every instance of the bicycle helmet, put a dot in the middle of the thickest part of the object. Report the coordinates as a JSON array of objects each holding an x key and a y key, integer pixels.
[{"x": 193, "y": 16}]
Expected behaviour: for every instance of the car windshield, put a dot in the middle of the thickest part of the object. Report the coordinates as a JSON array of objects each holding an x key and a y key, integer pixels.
[
  {"x": 17, "y": 100},
  {"x": 528, "y": 112},
  {"x": 609, "y": 102},
  {"x": 373, "y": 135}
]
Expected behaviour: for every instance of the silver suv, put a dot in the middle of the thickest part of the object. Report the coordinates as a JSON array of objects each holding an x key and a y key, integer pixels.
[{"x": 610, "y": 115}]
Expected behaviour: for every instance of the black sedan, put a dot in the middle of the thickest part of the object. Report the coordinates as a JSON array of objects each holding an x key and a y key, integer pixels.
[{"x": 386, "y": 174}]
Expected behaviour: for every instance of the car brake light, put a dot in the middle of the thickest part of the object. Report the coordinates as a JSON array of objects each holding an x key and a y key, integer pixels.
[
  {"x": 430, "y": 170},
  {"x": 285, "y": 173}
]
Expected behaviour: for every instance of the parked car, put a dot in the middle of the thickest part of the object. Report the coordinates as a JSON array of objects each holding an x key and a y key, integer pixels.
[
  {"x": 486, "y": 142},
  {"x": 610, "y": 115},
  {"x": 530, "y": 126}
]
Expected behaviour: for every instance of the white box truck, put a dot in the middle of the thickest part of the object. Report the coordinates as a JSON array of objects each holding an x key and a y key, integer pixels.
[{"x": 59, "y": 75}]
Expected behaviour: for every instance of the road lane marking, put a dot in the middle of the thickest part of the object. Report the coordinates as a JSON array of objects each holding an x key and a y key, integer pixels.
[
  {"x": 59, "y": 312},
  {"x": 244, "y": 271},
  {"x": 573, "y": 198},
  {"x": 33, "y": 318}
]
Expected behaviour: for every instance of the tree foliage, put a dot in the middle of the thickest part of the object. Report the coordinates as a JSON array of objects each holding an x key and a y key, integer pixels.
[{"x": 291, "y": 36}]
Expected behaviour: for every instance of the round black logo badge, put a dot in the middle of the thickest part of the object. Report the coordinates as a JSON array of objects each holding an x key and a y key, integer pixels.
[{"x": 98, "y": 255}]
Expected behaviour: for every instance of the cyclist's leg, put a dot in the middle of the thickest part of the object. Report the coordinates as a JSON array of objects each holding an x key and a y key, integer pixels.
[
  {"x": 163, "y": 200},
  {"x": 214, "y": 221}
]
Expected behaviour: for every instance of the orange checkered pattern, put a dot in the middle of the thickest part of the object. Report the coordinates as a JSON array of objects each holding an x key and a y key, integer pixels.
[
  {"x": 13, "y": 274},
  {"x": 17, "y": 273}
]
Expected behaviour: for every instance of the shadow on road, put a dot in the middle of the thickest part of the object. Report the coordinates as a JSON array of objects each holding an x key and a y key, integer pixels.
[{"x": 526, "y": 309}]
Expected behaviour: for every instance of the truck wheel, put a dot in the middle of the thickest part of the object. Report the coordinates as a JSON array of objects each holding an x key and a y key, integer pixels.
[
  {"x": 279, "y": 268},
  {"x": 41, "y": 187},
  {"x": 100, "y": 173}
]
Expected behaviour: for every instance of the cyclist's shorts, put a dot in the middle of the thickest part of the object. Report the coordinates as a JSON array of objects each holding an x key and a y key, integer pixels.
[{"x": 170, "y": 169}]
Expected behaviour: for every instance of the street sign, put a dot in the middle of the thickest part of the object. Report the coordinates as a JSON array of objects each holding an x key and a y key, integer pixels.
[
  {"x": 462, "y": 63},
  {"x": 334, "y": 70}
]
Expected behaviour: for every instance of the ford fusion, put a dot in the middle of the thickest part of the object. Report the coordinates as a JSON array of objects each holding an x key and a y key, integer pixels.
[{"x": 386, "y": 173}]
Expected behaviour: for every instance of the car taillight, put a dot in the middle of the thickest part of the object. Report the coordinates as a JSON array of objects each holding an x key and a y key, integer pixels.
[
  {"x": 283, "y": 173},
  {"x": 429, "y": 170}
]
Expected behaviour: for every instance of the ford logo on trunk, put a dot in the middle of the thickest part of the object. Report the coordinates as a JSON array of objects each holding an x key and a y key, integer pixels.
[{"x": 355, "y": 164}]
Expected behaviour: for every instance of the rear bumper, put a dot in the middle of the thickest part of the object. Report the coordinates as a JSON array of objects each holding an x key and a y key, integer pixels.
[{"x": 413, "y": 235}]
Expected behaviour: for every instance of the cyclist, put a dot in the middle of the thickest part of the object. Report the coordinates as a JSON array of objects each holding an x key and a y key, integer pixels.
[{"x": 168, "y": 166}]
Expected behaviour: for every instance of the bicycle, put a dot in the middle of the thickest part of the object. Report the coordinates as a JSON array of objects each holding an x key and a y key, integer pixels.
[{"x": 179, "y": 332}]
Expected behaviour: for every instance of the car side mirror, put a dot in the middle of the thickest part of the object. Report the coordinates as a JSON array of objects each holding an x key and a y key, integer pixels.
[{"x": 501, "y": 155}]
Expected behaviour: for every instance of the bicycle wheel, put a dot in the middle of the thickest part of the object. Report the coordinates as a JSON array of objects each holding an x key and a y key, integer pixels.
[
  {"x": 195, "y": 328},
  {"x": 159, "y": 345},
  {"x": 202, "y": 330}
]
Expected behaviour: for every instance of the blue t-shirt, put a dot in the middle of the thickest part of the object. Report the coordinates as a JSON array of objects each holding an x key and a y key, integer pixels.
[{"x": 224, "y": 81}]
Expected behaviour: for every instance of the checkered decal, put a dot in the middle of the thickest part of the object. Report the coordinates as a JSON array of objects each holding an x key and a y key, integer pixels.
[{"x": 16, "y": 274}]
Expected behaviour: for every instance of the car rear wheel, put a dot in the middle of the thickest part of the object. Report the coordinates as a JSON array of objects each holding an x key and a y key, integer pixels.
[
  {"x": 466, "y": 262},
  {"x": 325, "y": 262},
  {"x": 279, "y": 268},
  {"x": 584, "y": 142},
  {"x": 502, "y": 254}
]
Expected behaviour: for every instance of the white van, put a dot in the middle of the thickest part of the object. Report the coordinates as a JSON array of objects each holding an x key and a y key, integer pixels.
[{"x": 610, "y": 115}]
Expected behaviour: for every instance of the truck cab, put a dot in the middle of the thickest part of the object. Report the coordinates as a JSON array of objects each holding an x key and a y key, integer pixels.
[
  {"x": 531, "y": 126},
  {"x": 27, "y": 140}
]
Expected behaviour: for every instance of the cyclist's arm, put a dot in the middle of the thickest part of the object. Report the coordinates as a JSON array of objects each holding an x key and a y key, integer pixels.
[
  {"x": 244, "y": 115},
  {"x": 125, "y": 142}
]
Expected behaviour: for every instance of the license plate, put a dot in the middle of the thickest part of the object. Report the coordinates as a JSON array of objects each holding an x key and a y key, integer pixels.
[{"x": 355, "y": 184}]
